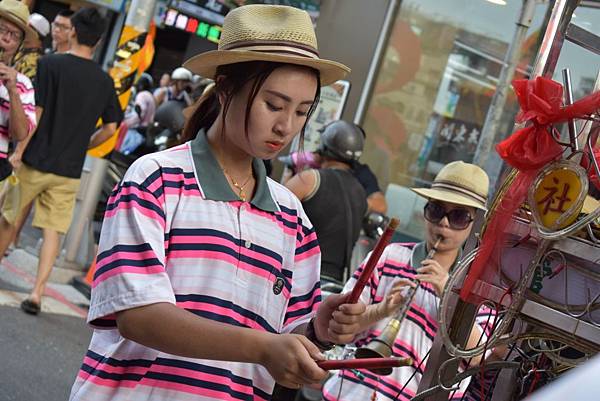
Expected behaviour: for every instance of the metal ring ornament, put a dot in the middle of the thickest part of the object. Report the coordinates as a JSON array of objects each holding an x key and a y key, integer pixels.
[
  {"x": 452, "y": 348},
  {"x": 497, "y": 365}
]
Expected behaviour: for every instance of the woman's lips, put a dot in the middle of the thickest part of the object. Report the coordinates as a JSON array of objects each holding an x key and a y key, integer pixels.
[{"x": 275, "y": 145}]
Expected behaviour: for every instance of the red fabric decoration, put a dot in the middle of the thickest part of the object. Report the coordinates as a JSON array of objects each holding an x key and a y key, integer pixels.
[{"x": 528, "y": 150}]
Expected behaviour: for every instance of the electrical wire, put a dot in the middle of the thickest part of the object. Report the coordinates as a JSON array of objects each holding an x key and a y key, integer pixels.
[{"x": 413, "y": 374}]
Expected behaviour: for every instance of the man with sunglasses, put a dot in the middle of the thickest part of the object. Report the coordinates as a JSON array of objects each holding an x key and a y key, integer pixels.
[
  {"x": 458, "y": 191},
  {"x": 17, "y": 104}
]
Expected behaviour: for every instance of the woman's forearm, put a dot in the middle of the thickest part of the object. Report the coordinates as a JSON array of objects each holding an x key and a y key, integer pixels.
[{"x": 173, "y": 330}]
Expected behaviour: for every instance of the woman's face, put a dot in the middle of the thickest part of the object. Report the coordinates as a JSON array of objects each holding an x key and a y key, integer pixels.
[
  {"x": 277, "y": 115},
  {"x": 451, "y": 238}
]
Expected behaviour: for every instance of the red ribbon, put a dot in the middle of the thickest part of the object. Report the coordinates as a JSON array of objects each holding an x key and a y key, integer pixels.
[{"x": 527, "y": 150}]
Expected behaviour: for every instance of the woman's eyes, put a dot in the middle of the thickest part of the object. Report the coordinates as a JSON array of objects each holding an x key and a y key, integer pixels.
[{"x": 272, "y": 107}]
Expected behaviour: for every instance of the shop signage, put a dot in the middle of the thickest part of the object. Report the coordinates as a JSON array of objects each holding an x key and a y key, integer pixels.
[
  {"x": 209, "y": 11},
  {"x": 331, "y": 105},
  {"x": 557, "y": 195},
  {"x": 203, "y": 29}
]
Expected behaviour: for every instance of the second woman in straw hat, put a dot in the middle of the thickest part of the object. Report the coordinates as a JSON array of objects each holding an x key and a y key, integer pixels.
[
  {"x": 458, "y": 191},
  {"x": 206, "y": 267}
]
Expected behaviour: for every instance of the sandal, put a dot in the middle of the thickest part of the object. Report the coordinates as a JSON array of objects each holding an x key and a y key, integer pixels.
[{"x": 30, "y": 307}]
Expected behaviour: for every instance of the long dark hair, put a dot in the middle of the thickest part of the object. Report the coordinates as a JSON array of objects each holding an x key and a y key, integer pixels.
[{"x": 235, "y": 76}]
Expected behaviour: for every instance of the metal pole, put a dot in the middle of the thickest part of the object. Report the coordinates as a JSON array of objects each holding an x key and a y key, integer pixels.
[
  {"x": 568, "y": 94},
  {"x": 75, "y": 255},
  {"x": 544, "y": 65},
  {"x": 93, "y": 174},
  {"x": 384, "y": 35},
  {"x": 494, "y": 114}
]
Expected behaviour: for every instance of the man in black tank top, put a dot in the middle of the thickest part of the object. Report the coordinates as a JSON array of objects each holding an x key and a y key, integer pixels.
[{"x": 333, "y": 198}]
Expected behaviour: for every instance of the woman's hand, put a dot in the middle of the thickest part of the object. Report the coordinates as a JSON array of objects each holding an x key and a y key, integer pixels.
[
  {"x": 433, "y": 273},
  {"x": 15, "y": 160},
  {"x": 337, "y": 321},
  {"x": 290, "y": 359},
  {"x": 393, "y": 300}
]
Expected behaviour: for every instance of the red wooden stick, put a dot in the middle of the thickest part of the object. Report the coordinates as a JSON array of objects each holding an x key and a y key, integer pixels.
[
  {"x": 372, "y": 262},
  {"x": 364, "y": 363}
]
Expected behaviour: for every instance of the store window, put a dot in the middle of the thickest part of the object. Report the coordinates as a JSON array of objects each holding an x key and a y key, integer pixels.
[{"x": 434, "y": 88}]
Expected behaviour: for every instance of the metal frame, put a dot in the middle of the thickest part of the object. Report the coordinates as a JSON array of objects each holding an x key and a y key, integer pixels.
[{"x": 558, "y": 29}]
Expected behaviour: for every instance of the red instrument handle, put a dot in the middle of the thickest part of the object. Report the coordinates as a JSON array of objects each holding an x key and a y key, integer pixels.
[
  {"x": 372, "y": 262},
  {"x": 364, "y": 363}
]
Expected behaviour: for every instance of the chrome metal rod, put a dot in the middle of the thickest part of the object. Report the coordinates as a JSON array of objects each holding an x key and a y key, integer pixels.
[{"x": 566, "y": 73}]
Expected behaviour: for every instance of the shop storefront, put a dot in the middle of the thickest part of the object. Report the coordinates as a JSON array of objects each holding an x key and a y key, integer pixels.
[{"x": 435, "y": 82}]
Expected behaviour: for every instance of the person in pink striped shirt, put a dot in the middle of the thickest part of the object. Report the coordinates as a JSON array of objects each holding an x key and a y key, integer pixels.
[
  {"x": 17, "y": 103},
  {"x": 207, "y": 278},
  {"x": 458, "y": 191}
]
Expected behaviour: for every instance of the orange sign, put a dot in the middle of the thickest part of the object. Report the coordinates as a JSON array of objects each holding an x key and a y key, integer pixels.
[{"x": 558, "y": 195}]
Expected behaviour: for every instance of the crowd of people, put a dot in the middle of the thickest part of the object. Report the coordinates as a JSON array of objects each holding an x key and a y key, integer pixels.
[
  {"x": 52, "y": 126},
  {"x": 208, "y": 272}
]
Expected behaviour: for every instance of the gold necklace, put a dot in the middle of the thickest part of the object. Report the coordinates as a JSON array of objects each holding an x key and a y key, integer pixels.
[{"x": 239, "y": 187}]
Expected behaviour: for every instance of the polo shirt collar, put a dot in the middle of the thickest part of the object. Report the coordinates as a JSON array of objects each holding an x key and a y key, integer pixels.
[
  {"x": 214, "y": 184},
  {"x": 420, "y": 253}
]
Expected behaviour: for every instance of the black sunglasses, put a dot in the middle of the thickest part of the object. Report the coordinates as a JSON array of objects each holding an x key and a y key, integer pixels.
[{"x": 459, "y": 219}]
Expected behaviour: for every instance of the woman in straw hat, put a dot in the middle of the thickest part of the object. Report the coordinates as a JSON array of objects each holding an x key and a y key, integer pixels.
[
  {"x": 207, "y": 277},
  {"x": 458, "y": 191}
]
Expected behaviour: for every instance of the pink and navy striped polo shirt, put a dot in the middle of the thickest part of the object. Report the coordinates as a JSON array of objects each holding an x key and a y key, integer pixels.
[
  {"x": 175, "y": 232},
  {"x": 415, "y": 336},
  {"x": 26, "y": 94}
]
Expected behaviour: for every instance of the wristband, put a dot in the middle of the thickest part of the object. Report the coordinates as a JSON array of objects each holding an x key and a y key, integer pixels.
[{"x": 312, "y": 336}]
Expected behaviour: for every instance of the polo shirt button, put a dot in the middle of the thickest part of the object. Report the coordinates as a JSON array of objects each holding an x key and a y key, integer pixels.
[{"x": 248, "y": 244}]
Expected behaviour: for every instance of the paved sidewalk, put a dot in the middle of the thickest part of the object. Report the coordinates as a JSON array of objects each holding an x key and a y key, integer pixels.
[
  {"x": 17, "y": 275},
  {"x": 41, "y": 354}
]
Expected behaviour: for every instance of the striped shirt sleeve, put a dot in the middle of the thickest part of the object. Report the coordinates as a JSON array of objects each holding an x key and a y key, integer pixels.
[
  {"x": 130, "y": 266},
  {"x": 27, "y": 96},
  {"x": 306, "y": 289}
]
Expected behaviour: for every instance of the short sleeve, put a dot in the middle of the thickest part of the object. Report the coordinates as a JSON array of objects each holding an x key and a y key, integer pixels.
[
  {"x": 130, "y": 266},
  {"x": 112, "y": 112},
  {"x": 485, "y": 320},
  {"x": 42, "y": 82},
  {"x": 367, "y": 179},
  {"x": 27, "y": 96},
  {"x": 306, "y": 289}
]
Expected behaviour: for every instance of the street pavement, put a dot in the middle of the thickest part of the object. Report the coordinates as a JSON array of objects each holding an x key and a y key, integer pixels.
[{"x": 39, "y": 355}]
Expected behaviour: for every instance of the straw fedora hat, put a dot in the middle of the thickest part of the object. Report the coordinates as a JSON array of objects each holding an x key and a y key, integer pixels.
[
  {"x": 461, "y": 183},
  {"x": 17, "y": 13},
  {"x": 267, "y": 33}
]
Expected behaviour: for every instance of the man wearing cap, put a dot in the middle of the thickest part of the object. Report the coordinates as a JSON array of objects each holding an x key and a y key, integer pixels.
[
  {"x": 27, "y": 58},
  {"x": 73, "y": 92},
  {"x": 181, "y": 79},
  {"x": 458, "y": 191},
  {"x": 17, "y": 114},
  {"x": 333, "y": 198}
]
